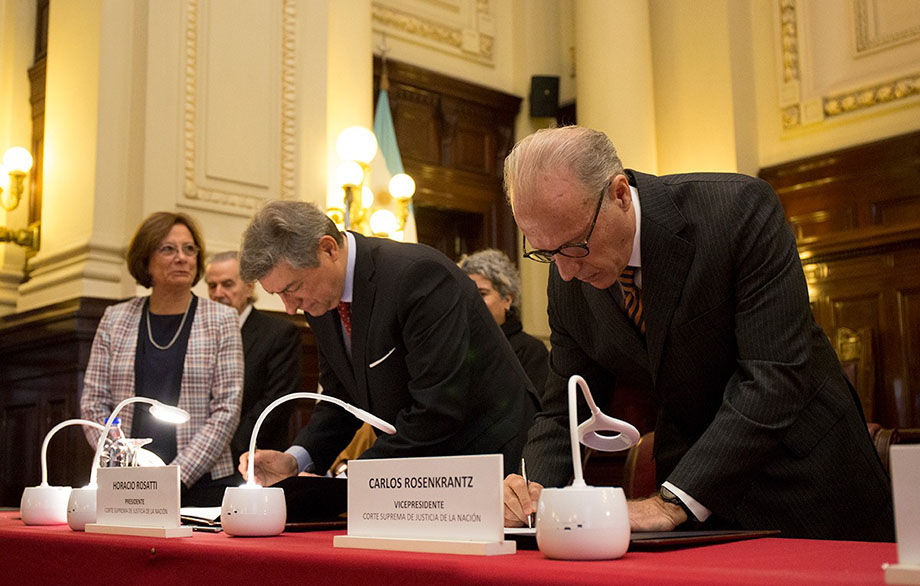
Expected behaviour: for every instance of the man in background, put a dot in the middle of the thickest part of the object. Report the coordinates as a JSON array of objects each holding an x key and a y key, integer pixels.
[{"x": 272, "y": 353}]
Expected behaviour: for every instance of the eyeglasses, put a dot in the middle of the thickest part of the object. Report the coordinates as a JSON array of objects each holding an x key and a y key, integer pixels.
[
  {"x": 170, "y": 250},
  {"x": 570, "y": 250}
]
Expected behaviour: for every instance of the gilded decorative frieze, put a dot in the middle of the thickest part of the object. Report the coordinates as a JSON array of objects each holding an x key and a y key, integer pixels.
[
  {"x": 457, "y": 38},
  {"x": 796, "y": 110},
  {"x": 872, "y": 96}
]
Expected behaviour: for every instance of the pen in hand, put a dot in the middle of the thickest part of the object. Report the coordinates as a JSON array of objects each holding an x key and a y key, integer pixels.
[{"x": 526, "y": 486}]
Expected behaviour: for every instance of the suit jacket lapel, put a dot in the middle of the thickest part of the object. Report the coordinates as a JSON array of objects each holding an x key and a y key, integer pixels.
[
  {"x": 327, "y": 329},
  {"x": 666, "y": 259},
  {"x": 250, "y": 331},
  {"x": 363, "y": 295}
]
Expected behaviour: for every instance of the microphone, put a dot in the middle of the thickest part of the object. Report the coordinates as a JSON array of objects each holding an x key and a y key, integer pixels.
[
  {"x": 581, "y": 522},
  {"x": 254, "y": 510}
]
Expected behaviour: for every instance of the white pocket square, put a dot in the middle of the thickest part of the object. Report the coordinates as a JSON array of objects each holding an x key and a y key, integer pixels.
[{"x": 379, "y": 360}]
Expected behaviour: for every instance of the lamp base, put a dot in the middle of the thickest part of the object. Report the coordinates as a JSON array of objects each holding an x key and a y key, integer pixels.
[
  {"x": 583, "y": 523},
  {"x": 253, "y": 511},
  {"x": 44, "y": 505},
  {"x": 81, "y": 507}
]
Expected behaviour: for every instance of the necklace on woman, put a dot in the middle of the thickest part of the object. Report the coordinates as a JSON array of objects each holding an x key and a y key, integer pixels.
[{"x": 178, "y": 331}]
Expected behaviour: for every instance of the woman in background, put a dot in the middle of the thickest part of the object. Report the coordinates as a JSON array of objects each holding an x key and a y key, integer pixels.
[
  {"x": 500, "y": 286},
  {"x": 177, "y": 349}
]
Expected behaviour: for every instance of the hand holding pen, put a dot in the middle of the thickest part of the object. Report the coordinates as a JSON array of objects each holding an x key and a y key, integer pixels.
[{"x": 527, "y": 486}]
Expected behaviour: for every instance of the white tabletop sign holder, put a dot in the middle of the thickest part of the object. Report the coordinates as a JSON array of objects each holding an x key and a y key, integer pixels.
[
  {"x": 905, "y": 478},
  {"x": 432, "y": 505},
  {"x": 138, "y": 501}
]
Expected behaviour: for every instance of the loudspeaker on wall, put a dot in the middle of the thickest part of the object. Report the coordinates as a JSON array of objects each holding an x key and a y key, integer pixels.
[{"x": 544, "y": 95}]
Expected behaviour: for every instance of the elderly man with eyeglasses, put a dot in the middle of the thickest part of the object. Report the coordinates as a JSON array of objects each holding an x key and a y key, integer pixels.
[{"x": 691, "y": 287}]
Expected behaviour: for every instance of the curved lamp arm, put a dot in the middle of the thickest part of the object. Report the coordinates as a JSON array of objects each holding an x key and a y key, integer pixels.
[
  {"x": 166, "y": 413},
  {"x": 356, "y": 411},
  {"x": 588, "y": 433},
  {"x": 53, "y": 431}
]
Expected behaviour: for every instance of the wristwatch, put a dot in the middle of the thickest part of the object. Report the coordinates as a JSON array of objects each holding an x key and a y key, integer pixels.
[{"x": 669, "y": 497}]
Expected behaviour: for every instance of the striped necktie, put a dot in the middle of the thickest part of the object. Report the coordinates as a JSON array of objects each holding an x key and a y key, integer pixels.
[
  {"x": 345, "y": 315},
  {"x": 631, "y": 300}
]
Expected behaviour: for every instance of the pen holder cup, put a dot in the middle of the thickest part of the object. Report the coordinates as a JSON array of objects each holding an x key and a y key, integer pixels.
[
  {"x": 81, "y": 508},
  {"x": 44, "y": 505},
  {"x": 253, "y": 511},
  {"x": 583, "y": 523}
]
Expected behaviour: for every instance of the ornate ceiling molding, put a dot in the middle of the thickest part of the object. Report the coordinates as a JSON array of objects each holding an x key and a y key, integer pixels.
[
  {"x": 870, "y": 96},
  {"x": 454, "y": 38},
  {"x": 228, "y": 201},
  {"x": 867, "y": 39},
  {"x": 796, "y": 110}
]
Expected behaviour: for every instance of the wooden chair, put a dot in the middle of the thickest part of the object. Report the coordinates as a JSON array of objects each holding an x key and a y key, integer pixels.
[
  {"x": 639, "y": 478},
  {"x": 854, "y": 350}
]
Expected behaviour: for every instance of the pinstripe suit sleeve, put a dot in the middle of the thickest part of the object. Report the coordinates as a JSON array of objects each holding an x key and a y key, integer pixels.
[
  {"x": 775, "y": 372},
  {"x": 212, "y": 387}
]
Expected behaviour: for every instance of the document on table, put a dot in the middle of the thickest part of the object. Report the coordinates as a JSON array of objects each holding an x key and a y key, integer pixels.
[
  {"x": 200, "y": 515},
  {"x": 526, "y": 537}
]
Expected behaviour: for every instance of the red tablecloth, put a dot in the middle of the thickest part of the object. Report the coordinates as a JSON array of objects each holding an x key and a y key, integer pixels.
[{"x": 56, "y": 555}]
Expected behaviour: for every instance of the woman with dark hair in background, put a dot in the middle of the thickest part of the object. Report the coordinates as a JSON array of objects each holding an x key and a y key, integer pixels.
[{"x": 177, "y": 349}]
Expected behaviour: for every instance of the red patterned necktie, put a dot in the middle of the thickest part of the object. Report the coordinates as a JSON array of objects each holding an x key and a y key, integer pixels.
[
  {"x": 345, "y": 315},
  {"x": 631, "y": 300}
]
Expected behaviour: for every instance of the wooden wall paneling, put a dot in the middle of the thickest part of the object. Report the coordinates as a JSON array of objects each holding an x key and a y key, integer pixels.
[
  {"x": 453, "y": 138},
  {"x": 909, "y": 305},
  {"x": 43, "y": 355},
  {"x": 856, "y": 216}
]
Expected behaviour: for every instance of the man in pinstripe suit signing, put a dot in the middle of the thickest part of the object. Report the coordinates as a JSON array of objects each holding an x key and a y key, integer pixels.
[{"x": 692, "y": 286}]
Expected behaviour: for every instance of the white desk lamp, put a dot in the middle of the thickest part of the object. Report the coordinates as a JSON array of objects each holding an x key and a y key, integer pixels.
[
  {"x": 253, "y": 510},
  {"x": 581, "y": 522},
  {"x": 81, "y": 506},
  {"x": 45, "y": 504}
]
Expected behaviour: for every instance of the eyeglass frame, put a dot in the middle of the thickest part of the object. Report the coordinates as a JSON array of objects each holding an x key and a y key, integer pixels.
[
  {"x": 185, "y": 249},
  {"x": 545, "y": 256}
]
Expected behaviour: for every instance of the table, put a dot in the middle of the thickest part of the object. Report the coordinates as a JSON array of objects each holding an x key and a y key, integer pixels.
[{"x": 57, "y": 555}]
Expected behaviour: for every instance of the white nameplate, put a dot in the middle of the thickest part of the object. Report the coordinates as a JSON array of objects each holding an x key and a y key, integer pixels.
[
  {"x": 138, "y": 496},
  {"x": 455, "y": 498}
]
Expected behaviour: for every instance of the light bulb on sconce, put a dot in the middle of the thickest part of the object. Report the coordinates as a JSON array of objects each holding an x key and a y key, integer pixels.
[
  {"x": 45, "y": 504},
  {"x": 357, "y": 146},
  {"x": 581, "y": 522},
  {"x": 16, "y": 163},
  {"x": 81, "y": 506},
  {"x": 356, "y": 143},
  {"x": 252, "y": 510}
]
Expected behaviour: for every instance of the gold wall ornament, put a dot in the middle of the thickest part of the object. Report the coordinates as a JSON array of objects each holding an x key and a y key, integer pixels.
[
  {"x": 17, "y": 162},
  {"x": 859, "y": 99},
  {"x": 383, "y": 212}
]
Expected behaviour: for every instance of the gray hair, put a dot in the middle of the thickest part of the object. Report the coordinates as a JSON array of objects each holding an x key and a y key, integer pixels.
[
  {"x": 587, "y": 154},
  {"x": 222, "y": 256},
  {"x": 232, "y": 255},
  {"x": 495, "y": 266},
  {"x": 284, "y": 231}
]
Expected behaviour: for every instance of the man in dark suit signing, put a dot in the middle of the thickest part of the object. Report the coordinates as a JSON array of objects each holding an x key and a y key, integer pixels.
[
  {"x": 401, "y": 332},
  {"x": 691, "y": 286},
  {"x": 272, "y": 352}
]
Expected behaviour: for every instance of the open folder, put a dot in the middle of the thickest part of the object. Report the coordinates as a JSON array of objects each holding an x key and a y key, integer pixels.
[
  {"x": 526, "y": 538},
  {"x": 313, "y": 502}
]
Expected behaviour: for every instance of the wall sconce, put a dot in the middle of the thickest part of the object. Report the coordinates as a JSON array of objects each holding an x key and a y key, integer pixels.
[
  {"x": 375, "y": 214},
  {"x": 16, "y": 165}
]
